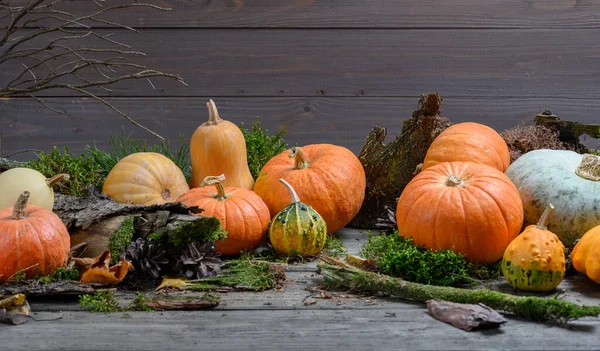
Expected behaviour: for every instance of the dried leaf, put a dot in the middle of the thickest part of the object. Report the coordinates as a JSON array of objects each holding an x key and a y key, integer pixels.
[
  {"x": 361, "y": 263},
  {"x": 100, "y": 273},
  {"x": 173, "y": 283},
  {"x": 13, "y": 301},
  {"x": 465, "y": 316}
]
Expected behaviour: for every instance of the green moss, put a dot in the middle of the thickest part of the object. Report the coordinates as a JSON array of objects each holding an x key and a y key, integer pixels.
[
  {"x": 100, "y": 301},
  {"x": 334, "y": 247},
  {"x": 120, "y": 240},
  {"x": 60, "y": 274},
  {"x": 261, "y": 146},
  {"x": 399, "y": 257},
  {"x": 202, "y": 230},
  {"x": 139, "y": 303},
  {"x": 82, "y": 170}
]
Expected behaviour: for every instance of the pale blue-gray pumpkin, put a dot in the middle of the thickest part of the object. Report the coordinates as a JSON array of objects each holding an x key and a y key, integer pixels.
[
  {"x": 568, "y": 180},
  {"x": 297, "y": 229}
]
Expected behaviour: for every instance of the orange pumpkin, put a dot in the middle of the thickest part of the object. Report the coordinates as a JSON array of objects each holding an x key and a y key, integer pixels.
[
  {"x": 586, "y": 254},
  {"x": 218, "y": 147},
  {"x": 242, "y": 213},
  {"x": 329, "y": 178},
  {"x": 145, "y": 178},
  {"x": 467, "y": 207},
  {"x": 33, "y": 240},
  {"x": 469, "y": 142}
]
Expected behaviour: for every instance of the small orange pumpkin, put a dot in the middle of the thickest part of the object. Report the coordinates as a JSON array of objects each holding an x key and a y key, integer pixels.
[
  {"x": 33, "y": 240},
  {"x": 469, "y": 142},
  {"x": 586, "y": 254},
  {"x": 329, "y": 178},
  {"x": 242, "y": 213},
  {"x": 145, "y": 178},
  {"x": 467, "y": 207}
]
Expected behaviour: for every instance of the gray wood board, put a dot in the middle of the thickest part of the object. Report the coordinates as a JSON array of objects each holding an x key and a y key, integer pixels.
[
  {"x": 355, "y": 13},
  {"x": 26, "y": 124},
  {"x": 356, "y": 63}
]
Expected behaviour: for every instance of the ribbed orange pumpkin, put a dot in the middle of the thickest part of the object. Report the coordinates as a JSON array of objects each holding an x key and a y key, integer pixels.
[
  {"x": 145, "y": 178},
  {"x": 586, "y": 254},
  {"x": 33, "y": 240},
  {"x": 470, "y": 208},
  {"x": 469, "y": 142},
  {"x": 242, "y": 213},
  {"x": 218, "y": 147},
  {"x": 327, "y": 177}
]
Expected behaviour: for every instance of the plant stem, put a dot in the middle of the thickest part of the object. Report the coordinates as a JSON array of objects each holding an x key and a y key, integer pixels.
[
  {"x": 543, "y": 222},
  {"x": 295, "y": 198},
  {"x": 20, "y": 205},
  {"x": 213, "y": 113},
  {"x": 535, "y": 308},
  {"x": 56, "y": 179},
  {"x": 299, "y": 159},
  {"x": 217, "y": 182}
]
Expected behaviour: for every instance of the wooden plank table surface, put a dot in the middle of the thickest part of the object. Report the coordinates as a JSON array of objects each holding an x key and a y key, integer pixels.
[{"x": 298, "y": 317}]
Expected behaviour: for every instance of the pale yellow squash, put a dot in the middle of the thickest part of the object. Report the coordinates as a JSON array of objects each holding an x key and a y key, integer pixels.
[{"x": 17, "y": 180}]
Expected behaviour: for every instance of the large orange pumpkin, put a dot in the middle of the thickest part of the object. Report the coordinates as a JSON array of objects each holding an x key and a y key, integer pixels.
[
  {"x": 469, "y": 142},
  {"x": 329, "y": 178},
  {"x": 470, "y": 208},
  {"x": 33, "y": 240},
  {"x": 145, "y": 178},
  {"x": 242, "y": 213}
]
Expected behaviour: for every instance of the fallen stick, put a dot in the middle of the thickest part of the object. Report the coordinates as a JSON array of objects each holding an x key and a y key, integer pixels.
[{"x": 339, "y": 274}]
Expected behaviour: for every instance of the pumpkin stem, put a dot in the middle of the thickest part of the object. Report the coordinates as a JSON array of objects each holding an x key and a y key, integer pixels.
[
  {"x": 21, "y": 205},
  {"x": 57, "y": 178},
  {"x": 217, "y": 182},
  {"x": 213, "y": 113},
  {"x": 300, "y": 161},
  {"x": 295, "y": 198},
  {"x": 589, "y": 168},
  {"x": 454, "y": 181},
  {"x": 543, "y": 222}
]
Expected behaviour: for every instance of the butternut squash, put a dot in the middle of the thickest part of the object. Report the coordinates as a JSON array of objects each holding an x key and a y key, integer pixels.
[{"x": 218, "y": 147}]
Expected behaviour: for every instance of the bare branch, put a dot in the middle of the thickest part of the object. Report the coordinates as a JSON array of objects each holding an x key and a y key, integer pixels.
[{"x": 46, "y": 105}]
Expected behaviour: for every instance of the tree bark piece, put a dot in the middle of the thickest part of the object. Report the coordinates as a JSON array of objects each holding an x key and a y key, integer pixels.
[
  {"x": 339, "y": 274},
  {"x": 568, "y": 132},
  {"x": 62, "y": 287},
  {"x": 389, "y": 167},
  {"x": 464, "y": 316}
]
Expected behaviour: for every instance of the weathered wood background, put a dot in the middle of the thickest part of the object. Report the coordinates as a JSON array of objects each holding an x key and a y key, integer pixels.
[{"x": 330, "y": 69}]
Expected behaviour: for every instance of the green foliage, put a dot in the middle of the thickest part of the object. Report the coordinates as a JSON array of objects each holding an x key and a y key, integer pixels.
[
  {"x": 100, "y": 301},
  {"x": 270, "y": 255},
  {"x": 243, "y": 274},
  {"x": 120, "y": 240},
  {"x": 261, "y": 146},
  {"x": 121, "y": 146},
  {"x": 202, "y": 230},
  {"x": 60, "y": 274},
  {"x": 139, "y": 303},
  {"x": 82, "y": 170},
  {"x": 399, "y": 257},
  {"x": 17, "y": 278},
  {"x": 334, "y": 247}
]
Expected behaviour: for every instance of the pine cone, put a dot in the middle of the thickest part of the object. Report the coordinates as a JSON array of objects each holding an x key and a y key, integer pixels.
[
  {"x": 199, "y": 261},
  {"x": 388, "y": 222},
  {"x": 148, "y": 257}
]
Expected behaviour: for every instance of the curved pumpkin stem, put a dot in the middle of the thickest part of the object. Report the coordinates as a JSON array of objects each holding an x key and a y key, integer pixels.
[
  {"x": 589, "y": 168},
  {"x": 217, "y": 182},
  {"x": 454, "y": 181},
  {"x": 299, "y": 159},
  {"x": 543, "y": 222},
  {"x": 295, "y": 198},
  {"x": 21, "y": 205},
  {"x": 56, "y": 179},
  {"x": 213, "y": 113}
]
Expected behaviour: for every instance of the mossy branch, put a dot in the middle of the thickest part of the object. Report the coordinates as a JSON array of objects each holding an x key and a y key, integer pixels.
[{"x": 339, "y": 274}]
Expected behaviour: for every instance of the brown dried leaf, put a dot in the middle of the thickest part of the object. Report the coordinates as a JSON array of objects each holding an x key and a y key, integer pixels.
[{"x": 100, "y": 272}]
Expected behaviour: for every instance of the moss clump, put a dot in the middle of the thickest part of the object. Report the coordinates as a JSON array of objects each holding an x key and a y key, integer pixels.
[
  {"x": 60, "y": 274},
  {"x": 202, "y": 230},
  {"x": 82, "y": 170},
  {"x": 334, "y": 247},
  {"x": 400, "y": 257},
  {"x": 120, "y": 239},
  {"x": 261, "y": 146},
  {"x": 100, "y": 301}
]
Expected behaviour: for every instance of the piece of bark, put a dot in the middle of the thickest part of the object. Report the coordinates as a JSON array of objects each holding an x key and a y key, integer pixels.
[
  {"x": 6, "y": 164},
  {"x": 97, "y": 235},
  {"x": 62, "y": 287},
  {"x": 568, "y": 131},
  {"x": 81, "y": 213},
  {"x": 181, "y": 303},
  {"x": 389, "y": 167},
  {"x": 16, "y": 315},
  {"x": 465, "y": 316}
]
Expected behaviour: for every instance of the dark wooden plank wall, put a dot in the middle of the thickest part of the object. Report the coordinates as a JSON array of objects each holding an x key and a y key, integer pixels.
[{"x": 330, "y": 70}]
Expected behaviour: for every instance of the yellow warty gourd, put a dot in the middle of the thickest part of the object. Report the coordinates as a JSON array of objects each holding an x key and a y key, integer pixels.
[{"x": 218, "y": 147}]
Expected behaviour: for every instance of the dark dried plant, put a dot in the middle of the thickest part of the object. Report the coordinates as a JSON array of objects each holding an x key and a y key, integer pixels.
[
  {"x": 46, "y": 47},
  {"x": 524, "y": 138}
]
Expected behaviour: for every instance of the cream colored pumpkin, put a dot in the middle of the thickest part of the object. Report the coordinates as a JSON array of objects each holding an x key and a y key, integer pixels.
[
  {"x": 145, "y": 178},
  {"x": 17, "y": 180}
]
